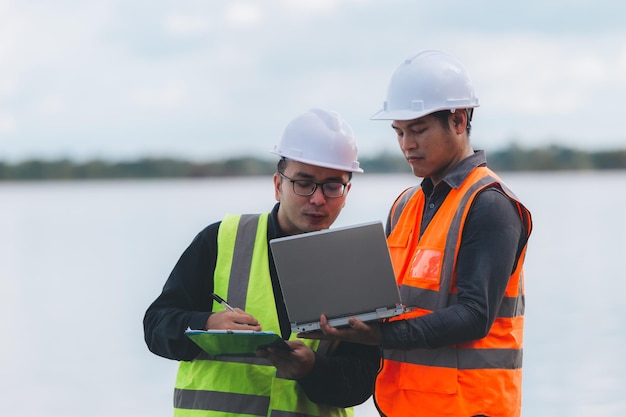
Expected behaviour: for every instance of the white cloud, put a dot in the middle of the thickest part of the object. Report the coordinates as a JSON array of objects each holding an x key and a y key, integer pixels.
[
  {"x": 51, "y": 105},
  {"x": 168, "y": 96},
  {"x": 618, "y": 66},
  {"x": 187, "y": 25},
  {"x": 310, "y": 6},
  {"x": 534, "y": 75},
  {"x": 243, "y": 13},
  {"x": 8, "y": 124},
  {"x": 178, "y": 77},
  {"x": 9, "y": 27},
  {"x": 587, "y": 69}
]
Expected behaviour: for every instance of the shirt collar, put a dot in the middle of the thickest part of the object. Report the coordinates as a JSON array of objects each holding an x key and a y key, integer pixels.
[
  {"x": 273, "y": 229},
  {"x": 455, "y": 177}
]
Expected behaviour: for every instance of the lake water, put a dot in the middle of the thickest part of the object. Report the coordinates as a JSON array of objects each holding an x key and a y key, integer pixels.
[{"x": 81, "y": 261}]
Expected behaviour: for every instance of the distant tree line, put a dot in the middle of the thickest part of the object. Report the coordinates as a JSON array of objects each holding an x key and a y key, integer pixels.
[
  {"x": 513, "y": 158},
  {"x": 143, "y": 168}
]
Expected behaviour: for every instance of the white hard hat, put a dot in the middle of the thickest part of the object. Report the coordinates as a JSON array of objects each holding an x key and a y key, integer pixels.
[
  {"x": 322, "y": 138},
  {"x": 428, "y": 82}
]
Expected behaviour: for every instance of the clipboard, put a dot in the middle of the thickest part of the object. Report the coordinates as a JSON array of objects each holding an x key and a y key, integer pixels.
[{"x": 235, "y": 342}]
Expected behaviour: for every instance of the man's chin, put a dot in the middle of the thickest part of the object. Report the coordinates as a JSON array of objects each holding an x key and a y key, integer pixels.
[{"x": 314, "y": 225}]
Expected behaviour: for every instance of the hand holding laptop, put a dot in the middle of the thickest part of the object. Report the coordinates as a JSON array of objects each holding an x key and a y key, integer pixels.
[{"x": 356, "y": 332}]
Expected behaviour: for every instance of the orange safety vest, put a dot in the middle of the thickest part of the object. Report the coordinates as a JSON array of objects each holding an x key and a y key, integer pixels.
[{"x": 479, "y": 377}]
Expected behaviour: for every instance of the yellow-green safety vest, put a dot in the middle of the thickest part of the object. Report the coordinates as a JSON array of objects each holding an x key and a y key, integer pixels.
[{"x": 227, "y": 386}]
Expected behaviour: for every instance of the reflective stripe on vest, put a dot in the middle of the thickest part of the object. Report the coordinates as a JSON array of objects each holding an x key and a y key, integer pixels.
[
  {"x": 478, "y": 377},
  {"x": 233, "y": 386}
]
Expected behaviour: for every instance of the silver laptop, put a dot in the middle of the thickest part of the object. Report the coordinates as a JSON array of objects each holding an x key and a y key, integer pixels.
[{"x": 342, "y": 272}]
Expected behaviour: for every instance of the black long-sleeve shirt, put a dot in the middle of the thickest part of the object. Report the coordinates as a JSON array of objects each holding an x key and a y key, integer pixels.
[
  {"x": 342, "y": 379},
  {"x": 492, "y": 240}
]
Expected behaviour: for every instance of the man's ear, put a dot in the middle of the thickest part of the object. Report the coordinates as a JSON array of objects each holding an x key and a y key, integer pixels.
[
  {"x": 459, "y": 121},
  {"x": 277, "y": 185}
]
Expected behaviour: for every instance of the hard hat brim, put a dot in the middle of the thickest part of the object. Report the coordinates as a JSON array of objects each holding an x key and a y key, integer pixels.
[
  {"x": 399, "y": 114},
  {"x": 355, "y": 165},
  {"x": 410, "y": 114}
]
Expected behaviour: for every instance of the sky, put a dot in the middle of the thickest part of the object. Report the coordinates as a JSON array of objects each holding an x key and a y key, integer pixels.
[{"x": 213, "y": 79}]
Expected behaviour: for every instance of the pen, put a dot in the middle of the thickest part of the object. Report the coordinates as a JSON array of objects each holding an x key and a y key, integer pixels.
[{"x": 222, "y": 302}]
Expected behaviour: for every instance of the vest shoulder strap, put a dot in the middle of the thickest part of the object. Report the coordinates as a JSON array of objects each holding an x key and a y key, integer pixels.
[{"x": 398, "y": 207}]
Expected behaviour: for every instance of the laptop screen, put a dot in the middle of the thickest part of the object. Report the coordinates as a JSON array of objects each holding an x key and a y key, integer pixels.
[{"x": 342, "y": 272}]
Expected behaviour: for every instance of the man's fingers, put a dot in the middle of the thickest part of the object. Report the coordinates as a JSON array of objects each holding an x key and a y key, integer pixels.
[{"x": 357, "y": 324}]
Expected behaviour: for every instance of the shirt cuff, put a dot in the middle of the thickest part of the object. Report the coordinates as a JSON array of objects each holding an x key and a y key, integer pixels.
[
  {"x": 198, "y": 320},
  {"x": 394, "y": 334}
]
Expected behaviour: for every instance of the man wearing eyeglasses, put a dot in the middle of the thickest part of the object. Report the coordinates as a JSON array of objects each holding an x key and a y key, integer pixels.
[{"x": 231, "y": 258}]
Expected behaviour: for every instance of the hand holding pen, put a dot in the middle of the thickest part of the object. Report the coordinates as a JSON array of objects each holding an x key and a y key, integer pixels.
[{"x": 231, "y": 318}]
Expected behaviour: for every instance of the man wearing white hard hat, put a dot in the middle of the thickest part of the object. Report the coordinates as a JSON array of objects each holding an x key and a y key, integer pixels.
[
  {"x": 232, "y": 258},
  {"x": 458, "y": 242}
]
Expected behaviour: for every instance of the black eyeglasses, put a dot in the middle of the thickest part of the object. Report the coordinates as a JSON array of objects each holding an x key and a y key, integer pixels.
[{"x": 306, "y": 188}]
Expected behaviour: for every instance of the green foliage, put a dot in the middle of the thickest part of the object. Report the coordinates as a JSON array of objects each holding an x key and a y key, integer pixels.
[
  {"x": 142, "y": 168},
  {"x": 385, "y": 163},
  {"x": 555, "y": 158},
  {"x": 513, "y": 158}
]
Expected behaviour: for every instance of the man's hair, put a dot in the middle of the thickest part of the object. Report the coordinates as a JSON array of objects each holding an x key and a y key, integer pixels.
[
  {"x": 442, "y": 116},
  {"x": 282, "y": 164}
]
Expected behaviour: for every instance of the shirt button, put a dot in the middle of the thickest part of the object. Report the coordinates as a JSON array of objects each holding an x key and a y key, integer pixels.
[{"x": 431, "y": 205}]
